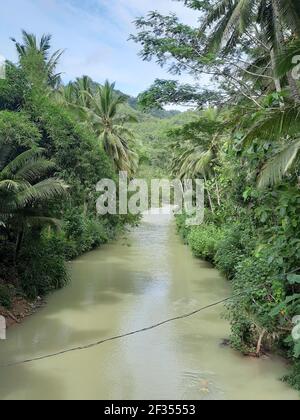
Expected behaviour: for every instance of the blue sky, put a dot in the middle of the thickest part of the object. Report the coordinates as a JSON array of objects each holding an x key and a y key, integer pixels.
[{"x": 94, "y": 34}]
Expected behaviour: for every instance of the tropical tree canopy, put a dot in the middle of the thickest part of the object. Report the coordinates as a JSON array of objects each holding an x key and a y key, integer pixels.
[
  {"x": 100, "y": 108},
  {"x": 31, "y": 47}
]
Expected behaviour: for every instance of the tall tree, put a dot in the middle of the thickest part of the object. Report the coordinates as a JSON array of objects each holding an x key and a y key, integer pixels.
[
  {"x": 31, "y": 46},
  {"x": 196, "y": 149},
  {"x": 108, "y": 123},
  {"x": 266, "y": 21},
  {"x": 99, "y": 106}
]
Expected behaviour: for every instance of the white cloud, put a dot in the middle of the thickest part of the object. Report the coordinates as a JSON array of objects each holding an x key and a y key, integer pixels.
[{"x": 94, "y": 33}]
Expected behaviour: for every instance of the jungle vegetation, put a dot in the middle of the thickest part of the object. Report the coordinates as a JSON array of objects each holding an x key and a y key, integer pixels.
[
  {"x": 242, "y": 136},
  {"x": 56, "y": 143}
]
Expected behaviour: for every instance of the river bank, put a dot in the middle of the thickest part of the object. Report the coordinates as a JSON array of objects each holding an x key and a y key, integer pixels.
[{"x": 20, "y": 310}]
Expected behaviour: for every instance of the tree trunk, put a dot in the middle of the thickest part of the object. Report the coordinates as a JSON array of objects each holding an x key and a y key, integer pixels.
[
  {"x": 259, "y": 343},
  {"x": 276, "y": 80},
  {"x": 18, "y": 245},
  {"x": 209, "y": 196},
  {"x": 218, "y": 193}
]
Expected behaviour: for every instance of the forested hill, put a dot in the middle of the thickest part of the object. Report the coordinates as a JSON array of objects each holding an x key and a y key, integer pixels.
[
  {"x": 152, "y": 130},
  {"x": 159, "y": 113}
]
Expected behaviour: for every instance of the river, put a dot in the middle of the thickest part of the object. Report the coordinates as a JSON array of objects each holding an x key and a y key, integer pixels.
[{"x": 143, "y": 278}]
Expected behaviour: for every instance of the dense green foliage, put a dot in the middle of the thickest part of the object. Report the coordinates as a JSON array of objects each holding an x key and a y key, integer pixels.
[
  {"x": 204, "y": 242},
  {"x": 153, "y": 141},
  {"x": 50, "y": 163}
]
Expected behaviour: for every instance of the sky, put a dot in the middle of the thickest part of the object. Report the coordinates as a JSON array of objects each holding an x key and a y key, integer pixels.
[{"x": 94, "y": 35}]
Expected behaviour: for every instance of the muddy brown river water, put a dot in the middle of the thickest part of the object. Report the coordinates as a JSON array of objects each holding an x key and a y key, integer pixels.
[{"x": 138, "y": 281}]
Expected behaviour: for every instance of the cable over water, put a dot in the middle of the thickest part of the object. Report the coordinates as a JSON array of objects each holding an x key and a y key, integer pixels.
[{"x": 118, "y": 337}]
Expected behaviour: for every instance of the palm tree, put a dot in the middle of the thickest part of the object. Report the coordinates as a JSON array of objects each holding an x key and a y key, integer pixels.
[
  {"x": 99, "y": 107},
  {"x": 25, "y": 192},
  {"x": 77, "y": 97},
  {"x": 109, "y": 124},
  {"x": 31, "y": 45},
  {"x": 283, "y": 127},
  {"x": 273, "y": 17},
  {"x": 234, "y": 18},
  {"x": 197, "y": 155},
  {"x": 76, "y": 94},
  {"x": 192, "y": 160}
]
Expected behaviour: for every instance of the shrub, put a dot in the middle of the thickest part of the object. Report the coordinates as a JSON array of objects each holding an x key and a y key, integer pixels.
[
  {"x": 6, "y": 295},
  {"x": 230, "y": 252},
  {"x": 259, "y": 288},
  {"x": 182, "y": 227},
  {"x": 41, "y": 265},
  {"x": 83, "y": 233},
  {"x": 97, "y": 232},
  {"x": 204, "y": 240},
  {"x": 293, "y": 379}
]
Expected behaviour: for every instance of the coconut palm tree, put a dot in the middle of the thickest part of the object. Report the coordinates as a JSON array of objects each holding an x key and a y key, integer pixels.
[
  {"x": 76, "y": 94},
  {"x": 233, "y": 18},
  {"x": 192, "y": 160},
  {"x": 99, "y": 107},
  {"x": 274, "y": 18},
  {"x": 26, "y": 191},
  {"x": 196, "y": 156},
  {"x": 77, "y": 97},
  {"x": 108, "y": 123},
  {"x": 31, "y": 45}
]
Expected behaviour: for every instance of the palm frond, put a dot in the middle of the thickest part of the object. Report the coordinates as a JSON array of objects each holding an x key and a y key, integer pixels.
[
  {"x": 290, "y": 10},
  {"x": 288, "y": 59},
  {"x": 9, "y": 185},
  {"x": 32, "y": 171},
  {"x": 20, "y": 161},
  {"x": 217, "y": 13},
  {"x": 268, "y": 19},
  {"x": 240, "y": 19},
  {"x": 275, "y": 124},
  {"x": 46, "y": 190},
  {"x": 277, "y": 167}
]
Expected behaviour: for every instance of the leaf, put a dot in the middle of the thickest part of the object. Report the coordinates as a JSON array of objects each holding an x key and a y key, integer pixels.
[
  {"x": 279, "y": 308},
  {"x": 277, "y": 167},
  {"x": 293, "y": 278},
  {"x": 297, "y": 350},
  {"x": 275, "y": 124}
]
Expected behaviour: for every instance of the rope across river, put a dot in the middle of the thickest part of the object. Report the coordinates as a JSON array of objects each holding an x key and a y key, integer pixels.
[{"x": 119, "y": 337}]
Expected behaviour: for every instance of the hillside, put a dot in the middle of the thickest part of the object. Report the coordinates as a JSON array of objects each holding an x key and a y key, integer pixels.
[{"x": 151, "y": 139}]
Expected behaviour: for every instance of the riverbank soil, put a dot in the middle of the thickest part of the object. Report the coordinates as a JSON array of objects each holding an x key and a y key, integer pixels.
[{"x": 21, "y": 309}]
